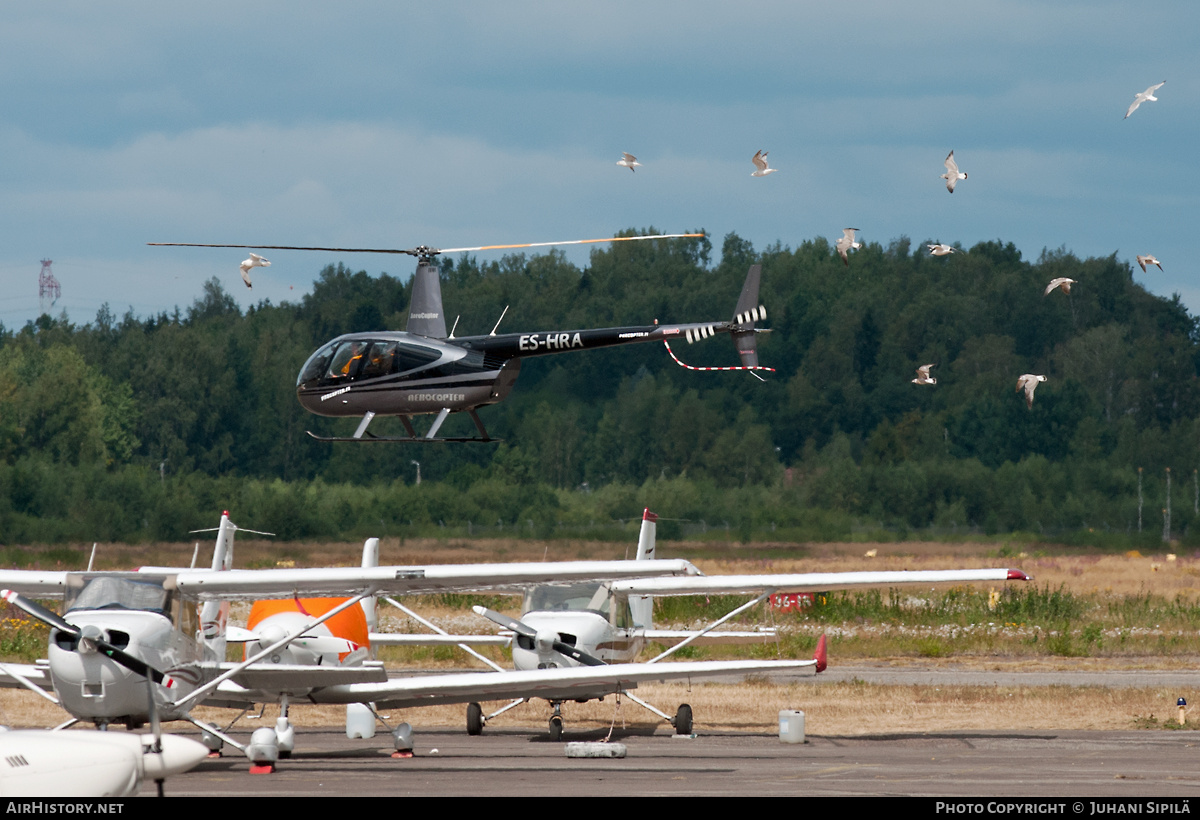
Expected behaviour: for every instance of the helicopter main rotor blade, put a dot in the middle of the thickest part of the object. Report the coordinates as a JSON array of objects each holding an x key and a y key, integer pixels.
[
  {"x": 409, "y": 251},
  {"x": 573, "y": 242},
  {"x": 423, "y": 251},
  {"x": 52, "y": 619}
]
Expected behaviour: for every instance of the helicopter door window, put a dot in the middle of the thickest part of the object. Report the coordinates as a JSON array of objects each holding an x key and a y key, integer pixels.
[
  {"x": 412, "y": 357},
  {"x": 379, "y": 361},
  {"x": 346, "y": 360}
]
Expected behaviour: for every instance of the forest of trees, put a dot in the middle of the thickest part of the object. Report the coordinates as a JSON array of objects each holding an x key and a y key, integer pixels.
[{"x": 133, "y": 428}]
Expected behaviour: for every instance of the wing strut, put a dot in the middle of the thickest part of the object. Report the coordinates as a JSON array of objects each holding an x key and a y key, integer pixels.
[
  {"x": 194, "y": 696},
  {"x": 713, "y": 626}
]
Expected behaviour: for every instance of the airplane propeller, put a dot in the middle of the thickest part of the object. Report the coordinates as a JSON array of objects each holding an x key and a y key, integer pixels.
[
  {"x": 541, "y": 639},
  {"x": 52, "y": 619}
]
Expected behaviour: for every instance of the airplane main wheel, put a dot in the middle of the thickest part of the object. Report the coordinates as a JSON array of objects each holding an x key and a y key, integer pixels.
[
  {"x": 683, "y": 720},
  {"x": 474, "y": 719},
  {"x": 556, "y": 727}
]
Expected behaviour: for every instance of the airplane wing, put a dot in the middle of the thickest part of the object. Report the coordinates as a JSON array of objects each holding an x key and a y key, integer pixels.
[
  {"x": 33, "y": 583},
  {"x": 11, "y": 675},
  {"x": 564, "y": 683},
  {"x": 278, "y": 677},
  {"x": 343, "y": 581},
  {"x": 807, "y": 582}
]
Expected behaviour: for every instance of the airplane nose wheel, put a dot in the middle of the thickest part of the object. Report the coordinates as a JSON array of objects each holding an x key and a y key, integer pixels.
[
  {"x": 683, "y": 720},
  {"x": 556, "y": 727}
]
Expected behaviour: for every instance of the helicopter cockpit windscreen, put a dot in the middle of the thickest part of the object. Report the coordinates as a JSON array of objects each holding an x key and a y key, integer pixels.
[
  {"x": 344, "y": 361},
  {"x": 113, "y": 592}
]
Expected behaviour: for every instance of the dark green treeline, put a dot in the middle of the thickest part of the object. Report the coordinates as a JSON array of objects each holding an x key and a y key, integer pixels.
[{"x": 139, "y": 428}]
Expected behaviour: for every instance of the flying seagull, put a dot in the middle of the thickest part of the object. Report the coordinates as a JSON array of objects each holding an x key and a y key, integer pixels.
[
  {"x": 940, "y": 250},
  {"x": 923, "y": 376},
  {"x": 1062, "y": 282},
  {"x": 952, "y": 175},
  {"x": 1029, "y": 383},
  {"x": 1148, "y": 260},
  {"x": 255, "y": 261},
  {"x": 847, "y": 244},
  {"x": 628, "y": 161},
  {"x": 760, "y": 162},
  {"x": 1144, "y": 96}
]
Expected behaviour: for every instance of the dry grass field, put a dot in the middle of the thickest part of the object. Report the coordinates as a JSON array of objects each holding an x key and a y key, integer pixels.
[{"x": 1102, "y": 584}]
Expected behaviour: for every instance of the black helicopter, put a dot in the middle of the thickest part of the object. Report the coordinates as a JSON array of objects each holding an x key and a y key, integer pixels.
[{"x": 422, "y": 370}]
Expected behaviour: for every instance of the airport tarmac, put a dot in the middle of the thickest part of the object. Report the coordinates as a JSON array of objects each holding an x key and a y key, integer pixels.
[{"x": 514, "y": 762}]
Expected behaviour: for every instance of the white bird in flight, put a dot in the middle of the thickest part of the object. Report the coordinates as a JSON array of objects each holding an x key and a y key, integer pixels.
[
  {"x": 940, "y": 249},
  {"x": 1148, "y": 260},
  {"x": 1062, "y": 282},
  {"x": 760, "y": 162},
  {"x": 255, "y": 261},
  {"x": 952, "y": 175},
  {"x": 1029, "y": 383},
  {"x": 628, "y": 161},
  {"x": 923, "y": 376},
  {"x": 1144, "y": 96},
  {"x": 847, "y": 244}
]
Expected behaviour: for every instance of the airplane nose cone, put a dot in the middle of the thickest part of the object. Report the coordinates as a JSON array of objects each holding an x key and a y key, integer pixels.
[
  {"x": 88, "y": 634},
  {"x": 179, "y": 754},
  {"x": 544, "y": 641}
]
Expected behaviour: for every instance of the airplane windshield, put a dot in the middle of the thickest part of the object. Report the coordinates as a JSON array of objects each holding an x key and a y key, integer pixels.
[
  {"x": 589, "y": 597},
  {"x": 107, "y": 592}
]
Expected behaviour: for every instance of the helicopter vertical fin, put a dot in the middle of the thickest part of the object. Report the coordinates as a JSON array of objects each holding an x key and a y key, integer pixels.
[
  {"x": 425, "y": 317},
  {"x": 747, "y": 312}
]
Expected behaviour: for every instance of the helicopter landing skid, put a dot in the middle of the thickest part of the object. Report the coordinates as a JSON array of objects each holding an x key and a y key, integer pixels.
[
  {"x": 373, "y": 437},
  {"x": 361, "y": 433}
]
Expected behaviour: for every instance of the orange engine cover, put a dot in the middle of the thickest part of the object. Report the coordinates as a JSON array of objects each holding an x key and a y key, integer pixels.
[{"x": 350, "y": 623}]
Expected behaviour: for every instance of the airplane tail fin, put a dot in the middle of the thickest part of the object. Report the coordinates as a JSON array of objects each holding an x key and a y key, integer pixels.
[
  {"x": 425, "y": 317},
  {"x": 821, "y": 656},
  {"x": 645, "y": 550},
  {"x": 223, "y": 549},
  {"x": 214, "y": 615},
  {"x": 370, "y": 559},
  {"x": 642, "y": 606},
  {"x": 745, "y": 314}
]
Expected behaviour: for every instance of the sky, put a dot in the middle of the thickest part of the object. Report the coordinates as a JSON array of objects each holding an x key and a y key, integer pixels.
[{"x": 384, "y": 124}]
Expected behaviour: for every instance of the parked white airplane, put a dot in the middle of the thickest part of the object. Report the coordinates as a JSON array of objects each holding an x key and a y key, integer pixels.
[
  {"x": 597, "y": 622},
  {"x": 36, "y": 763},
  {"x": 120, "y": 628}
]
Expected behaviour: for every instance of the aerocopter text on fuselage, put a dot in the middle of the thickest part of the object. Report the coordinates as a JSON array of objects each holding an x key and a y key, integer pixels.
[{"x": 425, "y": 370}]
